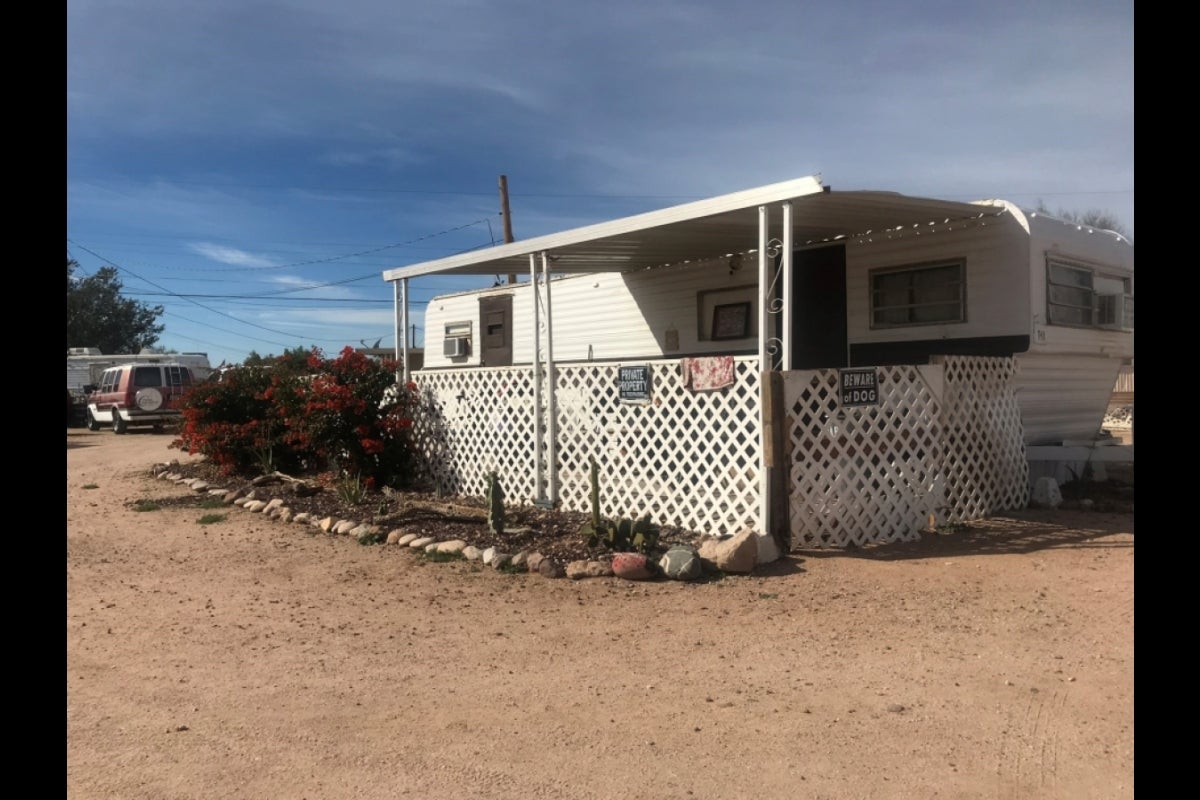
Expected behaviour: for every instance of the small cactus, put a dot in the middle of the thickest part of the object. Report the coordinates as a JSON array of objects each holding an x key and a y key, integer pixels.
[
  {"x": 495, "y": 500},
  {"x": 620, "y": 535}
]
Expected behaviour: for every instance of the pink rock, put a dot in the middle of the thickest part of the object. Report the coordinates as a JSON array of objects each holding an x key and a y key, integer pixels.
[{"x": 632, "y": 567}]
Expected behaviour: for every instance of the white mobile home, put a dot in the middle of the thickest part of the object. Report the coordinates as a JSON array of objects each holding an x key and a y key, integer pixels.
[
  {"x": 1035, "y": 316},
  {"x": 999, "y": 282}
]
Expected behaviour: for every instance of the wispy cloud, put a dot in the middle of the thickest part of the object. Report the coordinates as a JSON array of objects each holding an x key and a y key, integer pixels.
[{"x": 231, "y": 255}]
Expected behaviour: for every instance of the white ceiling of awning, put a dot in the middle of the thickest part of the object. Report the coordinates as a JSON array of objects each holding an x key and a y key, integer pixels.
[{"x": 707, "y": 229}]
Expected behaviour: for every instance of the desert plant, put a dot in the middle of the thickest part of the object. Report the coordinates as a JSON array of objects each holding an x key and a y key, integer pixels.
[
  {"x": 209, "y": 519},
  {"x": 373, "y": 537},
  {"x": 495, "y": 502},
  {"x": 351, "y": 489},
  {"x": 620, "y": 535}
]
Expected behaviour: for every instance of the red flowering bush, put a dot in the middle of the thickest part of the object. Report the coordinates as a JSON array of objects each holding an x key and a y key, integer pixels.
[
  {"x": 235, "y": 422},
  {"x": 344, "y": 414},
  {"x": 353, "y": 418}
]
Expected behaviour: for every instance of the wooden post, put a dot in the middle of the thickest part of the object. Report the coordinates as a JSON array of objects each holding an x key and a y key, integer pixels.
[
  {"x": 775, "y": 461},
  {"x": 504, "y": 212}
]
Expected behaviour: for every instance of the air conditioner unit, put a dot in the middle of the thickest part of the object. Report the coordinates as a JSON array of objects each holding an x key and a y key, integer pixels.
[
  {"x": 1114, "y": 312},
  {"x": 455, "y": 347}
]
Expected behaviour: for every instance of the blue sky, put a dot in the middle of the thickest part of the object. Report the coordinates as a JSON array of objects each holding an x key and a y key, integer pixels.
[{"x": 253, "y": 167}]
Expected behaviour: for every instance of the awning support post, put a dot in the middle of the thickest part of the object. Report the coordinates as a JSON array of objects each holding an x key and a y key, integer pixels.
[
  {"x": 551, "y": 385},
  {"x": 764, "y": 301},
  {"x": 539, "y": 494},
  {"x": 402, "y": 334}
]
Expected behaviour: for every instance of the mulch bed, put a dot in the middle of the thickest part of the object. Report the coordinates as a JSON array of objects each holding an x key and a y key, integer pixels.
[{"x": 551, "y": 532}]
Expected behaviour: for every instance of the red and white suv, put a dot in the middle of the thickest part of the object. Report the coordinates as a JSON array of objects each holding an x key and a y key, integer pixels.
[{"x": 138, "y": 394}]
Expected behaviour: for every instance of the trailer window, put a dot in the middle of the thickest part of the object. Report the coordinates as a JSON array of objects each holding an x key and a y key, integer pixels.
[
  {"x": 933, "y": 294},
  {"x": 1080, "y": 296}
]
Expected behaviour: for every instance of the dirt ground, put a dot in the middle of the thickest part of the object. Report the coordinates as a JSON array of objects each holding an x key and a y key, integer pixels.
[{"x": 252, "y": 659}]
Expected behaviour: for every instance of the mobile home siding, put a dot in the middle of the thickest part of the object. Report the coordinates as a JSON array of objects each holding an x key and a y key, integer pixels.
[
  {"x": 997, "y": 269},
  {"x": 609, "y": 315},
  {"x": 1063, "y": 397}
]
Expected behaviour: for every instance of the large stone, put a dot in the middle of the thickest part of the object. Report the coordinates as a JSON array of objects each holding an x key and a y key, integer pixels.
[
  {"x": 598, "y": 569},
  {"x": 632, "y": 567},
  {"x": 407, "y": 538},
  {"x": 255, "y": 505},
  {"x": 420, "y": 542},
  {"x": 577, "y": 570},
  {"x": 681, "y": 563},
  {"x": 735, "y": 554},
  {"x": 327, "y": 524},
  {"x": 768, "y": 549},
  {"x": 453, "y": 546},
  {"x": 345, "y": 526},
  {"x": 472, "y": 553},
  {"x": 1046, "y": 493},
  {"x": 534, "y": 561},
  {"x": 549, "y": 568}
]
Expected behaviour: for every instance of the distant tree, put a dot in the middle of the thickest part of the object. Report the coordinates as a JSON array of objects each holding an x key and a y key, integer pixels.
[
  {"x": 99, "y": 316},
  {"x": 1092, "y": 218}
]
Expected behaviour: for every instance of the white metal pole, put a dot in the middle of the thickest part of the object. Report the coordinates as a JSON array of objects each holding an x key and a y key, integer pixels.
[
  {"x": 551, "y": 384},
  {"x": 403, "y": 338},
  {"x": 786, "y": 265},
  {"x": 764, "y": 485},
  {"x": 396, "y": 320},
  {"x": 536, "y": 366},
  {"x": 764, "y": 286}
]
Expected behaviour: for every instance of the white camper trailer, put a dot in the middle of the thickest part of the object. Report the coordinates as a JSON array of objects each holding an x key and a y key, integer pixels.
[
  {"x": 832, "y": 368},
  {"x": 1055, "y": 295}
]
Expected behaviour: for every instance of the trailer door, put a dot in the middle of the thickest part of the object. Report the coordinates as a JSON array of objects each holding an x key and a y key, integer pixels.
[
  {"x": 819, "y": 338},
  {"x": 495, "y": 330}
]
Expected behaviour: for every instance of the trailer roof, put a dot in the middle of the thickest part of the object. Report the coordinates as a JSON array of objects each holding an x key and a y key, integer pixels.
[{"x": 717, "y": 226}]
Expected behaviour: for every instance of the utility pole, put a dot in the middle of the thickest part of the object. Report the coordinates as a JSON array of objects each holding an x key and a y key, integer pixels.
[{"x": 508, "y": 234}]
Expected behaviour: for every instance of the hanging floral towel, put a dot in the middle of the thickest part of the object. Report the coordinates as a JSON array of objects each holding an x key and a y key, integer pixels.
[{"x": 702, "y": 374}]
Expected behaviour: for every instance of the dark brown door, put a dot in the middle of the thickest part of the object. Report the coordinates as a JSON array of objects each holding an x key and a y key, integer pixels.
[
  {"x": 819, "y": 308},
  {"x": 495, "y": 331}
]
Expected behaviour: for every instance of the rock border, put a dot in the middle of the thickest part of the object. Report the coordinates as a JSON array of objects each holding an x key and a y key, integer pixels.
[{"x": 710, "y": 554}]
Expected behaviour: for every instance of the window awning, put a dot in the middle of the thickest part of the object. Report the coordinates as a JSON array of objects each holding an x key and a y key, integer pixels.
[{"x": 709, "y": 228}]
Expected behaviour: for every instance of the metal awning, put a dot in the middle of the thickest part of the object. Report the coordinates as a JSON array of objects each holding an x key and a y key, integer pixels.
[{"x": 707, "y": 228}]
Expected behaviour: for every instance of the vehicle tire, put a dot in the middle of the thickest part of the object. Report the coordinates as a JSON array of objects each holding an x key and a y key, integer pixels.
[
  {"x": 93, "y": 424},
  {"x": 119, "y": 425}
]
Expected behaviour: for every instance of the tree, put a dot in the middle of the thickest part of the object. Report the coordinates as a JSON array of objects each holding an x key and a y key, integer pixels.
[{"x": 98, "y": 316}]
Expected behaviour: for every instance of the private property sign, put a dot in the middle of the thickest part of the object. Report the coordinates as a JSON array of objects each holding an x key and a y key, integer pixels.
[
  {"x": 633, "y": 384},
  {"x": 858, "y": 386}
]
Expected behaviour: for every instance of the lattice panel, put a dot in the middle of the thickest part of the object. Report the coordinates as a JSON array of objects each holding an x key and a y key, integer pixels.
[
  {"x": 473, "y": 421},
  {"x": 862, "y": 475},
  {"x": 688, "y": 458},
  {"x": 985, "y": 462}
]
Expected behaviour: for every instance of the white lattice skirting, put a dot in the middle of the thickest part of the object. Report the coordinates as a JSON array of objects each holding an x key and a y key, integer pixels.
[
  {"x": 945, "y": 441},
  {"x": 688, "y": 458}
]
